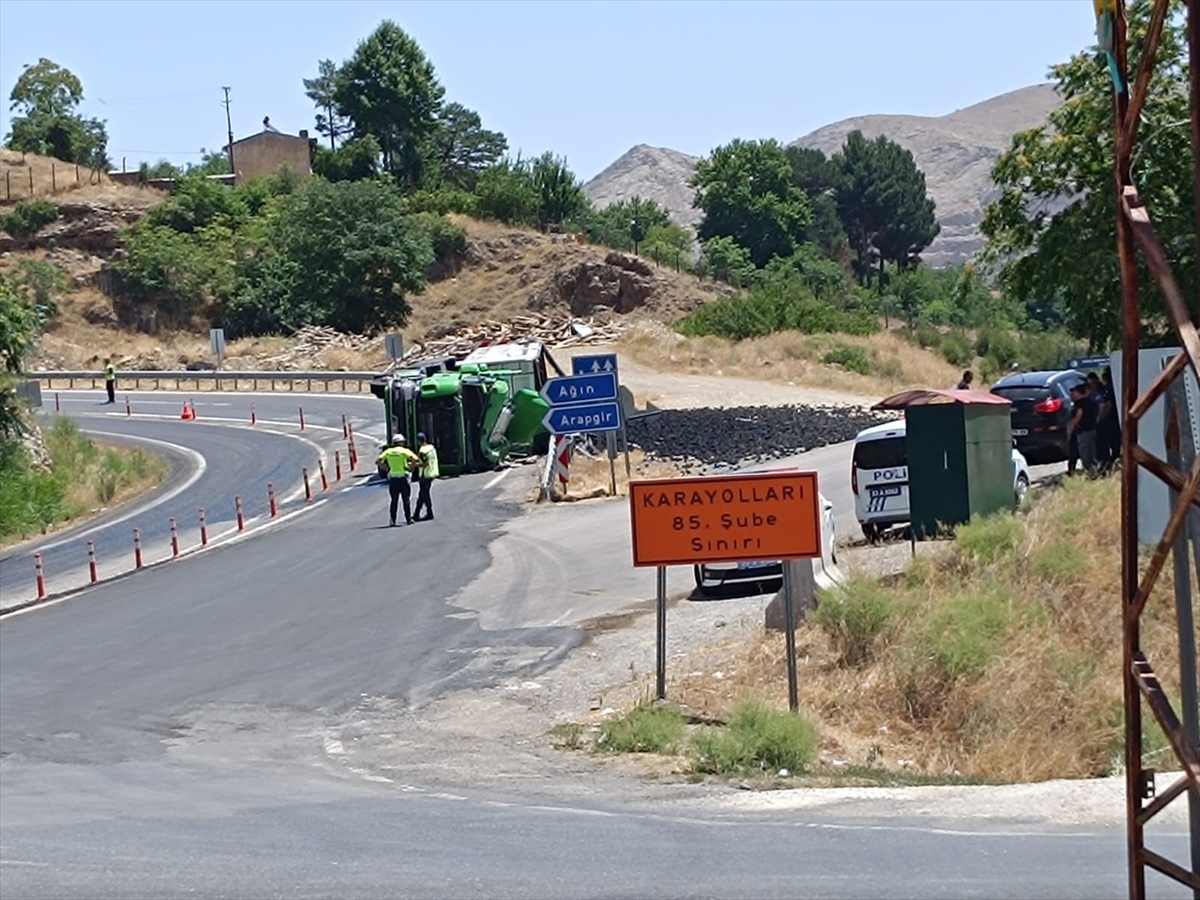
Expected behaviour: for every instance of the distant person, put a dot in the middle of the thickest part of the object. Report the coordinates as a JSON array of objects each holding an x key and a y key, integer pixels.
[
  {"x": 427, "y": 471},
  {"x": 1082, "y": 426},
  {"x": 1108, "y": 424},
  {"x": 110, "y": 380},
  {"x": 398, "y": 461},
  {"x": 965, "y": 383}
]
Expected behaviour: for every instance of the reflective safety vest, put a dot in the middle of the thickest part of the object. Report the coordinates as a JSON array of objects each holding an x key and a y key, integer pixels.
[
  {"x": 398, "y": 459},
  {"x": 429, "y": 461},
  {"x": 110, "y": 374}
]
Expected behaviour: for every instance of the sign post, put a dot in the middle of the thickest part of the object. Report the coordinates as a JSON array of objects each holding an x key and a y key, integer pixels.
[
  {"x": 216, "y": 342},
  {"x": 735, "y": 518},
  {"x": 606, "y": 362},
  {"x": 394, "y": 344}
]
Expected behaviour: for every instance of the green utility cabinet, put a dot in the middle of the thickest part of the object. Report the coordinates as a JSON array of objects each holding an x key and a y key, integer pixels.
[{"x": 959, "y": 447}]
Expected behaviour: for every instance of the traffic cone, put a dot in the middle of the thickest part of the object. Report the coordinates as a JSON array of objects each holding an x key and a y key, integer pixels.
[{"x": 187, "y": 413}]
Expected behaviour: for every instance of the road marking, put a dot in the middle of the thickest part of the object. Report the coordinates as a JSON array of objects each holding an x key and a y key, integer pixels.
[
  {"x": 196, "y": 458},
  {"x": 495, "y": 481}
]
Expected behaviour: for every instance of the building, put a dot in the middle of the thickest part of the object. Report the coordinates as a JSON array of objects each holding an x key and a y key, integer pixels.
[{"x": 263, "y": 154}]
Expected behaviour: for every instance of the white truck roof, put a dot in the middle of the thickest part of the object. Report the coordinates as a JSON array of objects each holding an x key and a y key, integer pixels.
[{"x": 500, "y": 354}]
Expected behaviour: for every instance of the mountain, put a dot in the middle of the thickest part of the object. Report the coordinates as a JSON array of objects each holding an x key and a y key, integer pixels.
[{"x": 955, "y": 151}]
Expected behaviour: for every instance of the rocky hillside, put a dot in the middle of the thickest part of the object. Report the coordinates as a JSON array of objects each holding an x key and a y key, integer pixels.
[{"x": 954, "y": 151}]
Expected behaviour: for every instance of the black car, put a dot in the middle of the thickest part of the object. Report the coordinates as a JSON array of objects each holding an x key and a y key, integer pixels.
[{"x": 1041, "y": 408}]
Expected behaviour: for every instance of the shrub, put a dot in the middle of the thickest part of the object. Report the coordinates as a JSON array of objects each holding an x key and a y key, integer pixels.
[
  {"x": 29, "y": 217},
  {"x": 986, "y": 539},
  {"x": 772, "y": 308},
  {"x": 1060, "y": 561},
  {"x": 758, "y": 738},
  {"x": 850, "y": 358},
  {"x": 956, "y": 349},
  {"x": 644, "y": 729},
  {"x": 854, "y": 617},
  {"x": 926, "y": 335},
  {"x": 964, "y": 634}
]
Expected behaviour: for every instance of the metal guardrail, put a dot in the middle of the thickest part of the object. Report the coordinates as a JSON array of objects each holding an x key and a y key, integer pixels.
[{"x": 219, "y": 380}]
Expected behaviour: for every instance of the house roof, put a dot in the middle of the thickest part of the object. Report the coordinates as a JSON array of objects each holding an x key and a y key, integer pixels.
[
  {"x": 271, "y": 134},
  {"x": 930, "y": 397}
]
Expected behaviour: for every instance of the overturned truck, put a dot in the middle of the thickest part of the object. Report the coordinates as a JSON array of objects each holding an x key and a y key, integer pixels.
[{"x": 476, "y": 411}]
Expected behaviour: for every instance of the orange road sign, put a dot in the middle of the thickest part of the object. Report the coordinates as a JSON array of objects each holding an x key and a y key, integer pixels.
[{"x": 734, "y": 518}]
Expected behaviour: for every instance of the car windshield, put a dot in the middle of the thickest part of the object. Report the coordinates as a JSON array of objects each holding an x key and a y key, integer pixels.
[
  {"x": 885, "y": 453},
  {"x": 1022, "y": 392}
]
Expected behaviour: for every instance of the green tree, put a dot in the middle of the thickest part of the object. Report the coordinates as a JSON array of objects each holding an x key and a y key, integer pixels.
[
  {"x": 320, "y": 91},
  {"x": 506, "y": 193},
  {"x": 212, "y": 162},
  {"x": 19, "y": 323},
  {"x": 1050, "y": 232},
  {"x": 560, "y": 195},
  {"x": 746, "y": 191},
  {"x": 610, "y": 226},
  {"x": 821, "y": 276},
  {"x": 388, "y": 89},
  {"x": 45, "y": 99},
  {"x": 353, "y": 161},
  {"x": 341, "y": 254},
  {"x": 460, "y": 147},
  {"x": 725, "y": 259},
  {"x": 882, "y": 203}
]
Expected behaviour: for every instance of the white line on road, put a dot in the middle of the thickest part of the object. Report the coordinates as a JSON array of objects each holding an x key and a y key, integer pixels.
[{"x": 495, "y": 481}]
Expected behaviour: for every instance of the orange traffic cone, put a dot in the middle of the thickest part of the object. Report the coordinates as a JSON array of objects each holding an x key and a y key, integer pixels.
[{"x": 188, "y": 412}]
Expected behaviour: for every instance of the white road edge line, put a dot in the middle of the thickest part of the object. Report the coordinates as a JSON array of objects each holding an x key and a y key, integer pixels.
[{"x": 495, "y": 481}]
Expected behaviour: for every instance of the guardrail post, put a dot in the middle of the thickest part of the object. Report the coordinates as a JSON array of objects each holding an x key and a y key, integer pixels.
[
  {"x": 91, "y": 545},
  {"x": 137, "y": 548},
  {"x": 41, "y": 579}
]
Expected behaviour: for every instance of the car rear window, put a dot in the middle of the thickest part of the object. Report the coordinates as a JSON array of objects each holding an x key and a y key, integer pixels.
[
  {"x": 885, "y": 453},
  {"x": 1022, "y": 393}
]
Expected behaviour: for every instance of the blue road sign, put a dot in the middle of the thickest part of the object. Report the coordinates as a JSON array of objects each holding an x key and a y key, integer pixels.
[
  {"x": 580, "y": 389},
  {"x": 1088, "y": 362},
  {"x": 587, "y": 365},
  {"x": 583, "y": 417}
]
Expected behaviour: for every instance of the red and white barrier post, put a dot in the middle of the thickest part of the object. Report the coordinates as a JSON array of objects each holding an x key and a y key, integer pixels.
[
  {"x": 324, "y": 477},
  {"x": 57, "y": 404},
  {"x": 271, "y": 498},
  {"x": 301, "y": 418},
  {"x": 137, "y": 548},
  {"x": 237, "y": 504},
  {"x": 337, "y": 465},
  {"x": 174, "y": 538},
  {"x": 92, "y": 562},
  {"x": 345, "y": 426},
  {"x": 128, "y": 411},
  {"x": 41, "y": 577},
  {"x": 253, "y": 415},
  {"x": 307, "y": 486},
  {"x": 203, "y": 529}
]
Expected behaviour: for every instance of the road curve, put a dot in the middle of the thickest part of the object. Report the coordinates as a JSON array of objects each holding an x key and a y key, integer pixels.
[{"x": 172, "y": 733}]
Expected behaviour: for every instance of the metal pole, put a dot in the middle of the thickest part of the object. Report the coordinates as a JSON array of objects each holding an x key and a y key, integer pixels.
[
  {"x": 610, "y": 440},
  {"x": 661, "y": 658},
  {"x": 625, "y": 443},
  {"x": 1181, "y": 455},
  {"x": 789, "y": 623},
  {"x": 1130, "y": 338}
]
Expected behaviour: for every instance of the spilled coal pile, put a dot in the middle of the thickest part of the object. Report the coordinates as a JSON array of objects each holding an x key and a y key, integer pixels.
[{"x": 715, "y": 438}]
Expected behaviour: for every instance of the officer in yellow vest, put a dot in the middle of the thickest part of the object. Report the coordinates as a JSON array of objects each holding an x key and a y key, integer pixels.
[
  {"x": 110, "y": 381},
  {"x": 425, "y": 474},
  {"x": 399, "y": 461}
]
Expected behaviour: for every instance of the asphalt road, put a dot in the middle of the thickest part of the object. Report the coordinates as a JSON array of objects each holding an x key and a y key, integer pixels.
[{"x": 170, "y": 734}]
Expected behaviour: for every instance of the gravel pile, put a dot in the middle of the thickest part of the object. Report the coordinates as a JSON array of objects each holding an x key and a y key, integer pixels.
[{"x": 717, "y": 438}]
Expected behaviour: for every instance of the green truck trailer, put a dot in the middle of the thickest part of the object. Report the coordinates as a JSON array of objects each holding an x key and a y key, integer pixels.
[{"x": 476, "y": 411}]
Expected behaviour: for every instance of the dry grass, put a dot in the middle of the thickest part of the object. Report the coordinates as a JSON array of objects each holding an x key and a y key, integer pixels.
[
  {"x": 793, "y": 358},
  {"x": 52, "y": 177},
  {"x": 592, "y": 478},
  {"x": 1025, "y": 615}
]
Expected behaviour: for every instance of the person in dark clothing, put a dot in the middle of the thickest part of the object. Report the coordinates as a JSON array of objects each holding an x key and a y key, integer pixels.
[
  {"x": 1108, "y": 425},
  {"x": 965, "y": 383},
  {"x": 1082, "y": 426},
  {"x": 110, "y": 381}
]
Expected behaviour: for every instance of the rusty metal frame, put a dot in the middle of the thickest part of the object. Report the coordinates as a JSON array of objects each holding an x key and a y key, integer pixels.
[{"x": 1135, "y": 233}]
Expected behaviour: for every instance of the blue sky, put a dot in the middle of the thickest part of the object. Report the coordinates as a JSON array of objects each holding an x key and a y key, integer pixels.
[{"x": 585, "y": 79}]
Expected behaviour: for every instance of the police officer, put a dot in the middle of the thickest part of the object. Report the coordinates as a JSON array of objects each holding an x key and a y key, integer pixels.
[
  {"x": 110, "y": 381},
  {"x": 399, "y": 461},
  {"x": 427, "y": 471}
]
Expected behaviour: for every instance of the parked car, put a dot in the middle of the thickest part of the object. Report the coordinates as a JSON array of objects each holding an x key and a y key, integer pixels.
[
  {"x": 879, "y": 477},
  {"x": 766, "y": 574},
  {"x": 1041, "y": 408}
]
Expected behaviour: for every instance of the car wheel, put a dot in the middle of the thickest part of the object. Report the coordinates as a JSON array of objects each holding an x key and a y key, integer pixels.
[
  {"x": 699, "y": 578},
  {"x": 871, "y": 532},
  {"x": 1022, "y": 489}
]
